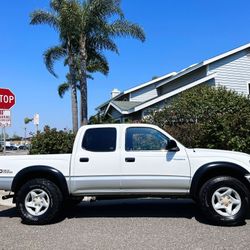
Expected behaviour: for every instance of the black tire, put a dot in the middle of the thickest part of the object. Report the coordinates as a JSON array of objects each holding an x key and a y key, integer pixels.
[
  {"x": 206, "y": 196},
  {"x": 53, "y": 195}
]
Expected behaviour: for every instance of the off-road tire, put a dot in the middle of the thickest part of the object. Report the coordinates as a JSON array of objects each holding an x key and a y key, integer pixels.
[
  {"x": 54, "y": 195},
  {"x": 205, "y": 200}
]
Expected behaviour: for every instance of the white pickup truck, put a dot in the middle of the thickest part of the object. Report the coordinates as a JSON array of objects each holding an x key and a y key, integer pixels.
[{"x": 128, "y": 160}]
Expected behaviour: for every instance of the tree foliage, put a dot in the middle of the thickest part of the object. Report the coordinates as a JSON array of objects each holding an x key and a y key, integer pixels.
[
  {"x": 27, "y": 120},
  {"x": 207, "y": 117},
  {"x": 86, "y": 28},
  {"x": 51, "y": 141}
]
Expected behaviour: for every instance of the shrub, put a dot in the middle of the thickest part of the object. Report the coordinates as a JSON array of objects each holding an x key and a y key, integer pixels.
[
  {"x": 207, "y": 117},
  {"x": 51, "y": 141}
]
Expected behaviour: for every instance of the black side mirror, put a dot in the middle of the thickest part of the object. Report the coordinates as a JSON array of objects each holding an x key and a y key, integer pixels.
[{"x": 172, "y": 146}]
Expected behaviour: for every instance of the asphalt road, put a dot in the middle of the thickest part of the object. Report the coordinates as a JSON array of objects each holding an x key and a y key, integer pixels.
[{"x": 124, "y": 224}]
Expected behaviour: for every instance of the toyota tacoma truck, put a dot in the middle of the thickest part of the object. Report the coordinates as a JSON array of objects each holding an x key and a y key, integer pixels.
[{"x": 124, "y": 161}]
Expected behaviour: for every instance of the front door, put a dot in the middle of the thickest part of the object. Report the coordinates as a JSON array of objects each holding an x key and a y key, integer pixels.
[
  {"x": 97, "y": 162},
  {"x": 147, "y": 167}
]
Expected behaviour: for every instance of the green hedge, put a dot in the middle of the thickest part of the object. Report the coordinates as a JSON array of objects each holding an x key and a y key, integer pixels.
[
  {"x": 207, "y": 117},
  {"x": 51, "y": 141}
]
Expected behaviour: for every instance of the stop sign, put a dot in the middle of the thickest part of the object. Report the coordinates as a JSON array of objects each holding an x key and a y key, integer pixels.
[{"x": 7, "y": 99}]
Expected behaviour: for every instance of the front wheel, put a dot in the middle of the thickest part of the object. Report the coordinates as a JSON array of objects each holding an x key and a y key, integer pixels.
[
  {"x": 224, "y": 200},
  {"x": 39, "y": 201}
]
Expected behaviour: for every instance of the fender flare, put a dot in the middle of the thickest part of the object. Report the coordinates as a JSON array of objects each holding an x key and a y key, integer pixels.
[
  {"x": 219, "y": 167},
  {"x": 40, "y": 172}
]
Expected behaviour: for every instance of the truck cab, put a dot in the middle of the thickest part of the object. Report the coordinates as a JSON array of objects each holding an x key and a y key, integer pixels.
[{"x": 125, "y": 159}]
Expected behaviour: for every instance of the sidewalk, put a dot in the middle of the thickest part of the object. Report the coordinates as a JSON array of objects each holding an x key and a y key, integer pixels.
[{"x": 6, "y": 203}]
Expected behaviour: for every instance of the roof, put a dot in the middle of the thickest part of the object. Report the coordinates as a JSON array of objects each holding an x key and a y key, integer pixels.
[
  {"x": 141, "y": 105},
  {"x": 126, "y": 105},
  {"x": 205, "y": 63},
  {"x": 173, "y": 93},
  {"x": 150, "y": 82},
  {"x": 172, "y": 76},
  {"x": 137, "y": 87}
]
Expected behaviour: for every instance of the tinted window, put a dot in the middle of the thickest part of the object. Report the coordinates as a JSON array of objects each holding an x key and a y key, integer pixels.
[
  {"x": 100, "y": 140},
  {"x": 138, "y": 139}
]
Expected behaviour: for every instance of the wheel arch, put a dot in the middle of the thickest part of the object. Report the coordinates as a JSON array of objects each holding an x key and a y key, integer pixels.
[
  {"x": 214, "y": 169},
  {"x": 40, "y": 171}
]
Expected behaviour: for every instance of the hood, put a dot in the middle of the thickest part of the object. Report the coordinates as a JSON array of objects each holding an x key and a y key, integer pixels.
[
  {"x": 205, "y": 152},
  {"x": 220, "y": 155}
]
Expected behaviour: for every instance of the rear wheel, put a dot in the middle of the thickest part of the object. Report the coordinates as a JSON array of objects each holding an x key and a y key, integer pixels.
[
  {"x": 224, "y": 200},
  {"x": 39, "y": 201}
]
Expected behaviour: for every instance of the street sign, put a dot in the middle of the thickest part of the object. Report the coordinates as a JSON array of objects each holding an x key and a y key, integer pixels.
[
  {"x": 36, "y": 119},
  {"x": 7, "y": 99},
  {"x": 5, "y": 118}
]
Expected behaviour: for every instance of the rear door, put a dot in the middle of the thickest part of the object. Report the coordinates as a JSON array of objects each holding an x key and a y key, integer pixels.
[{"x": 97, "y": 162}]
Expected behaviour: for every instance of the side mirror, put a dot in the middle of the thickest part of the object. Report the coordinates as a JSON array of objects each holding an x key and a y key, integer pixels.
[{"x": 172, "y": 146}]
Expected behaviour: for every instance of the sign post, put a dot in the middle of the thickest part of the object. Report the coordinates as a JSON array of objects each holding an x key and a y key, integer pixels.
[
  {"x": 4, "y": 141},
  {"x": 36, "y": 121},
  {"x": 5, "y": 121}
]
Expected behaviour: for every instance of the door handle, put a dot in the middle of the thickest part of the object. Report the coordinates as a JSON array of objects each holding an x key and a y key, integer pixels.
[
  {"x": 84, "y": 159},
  {"x": 130, "y": 159}
]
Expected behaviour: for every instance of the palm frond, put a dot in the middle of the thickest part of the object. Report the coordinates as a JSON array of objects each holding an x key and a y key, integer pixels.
[
  {"x": 51, "y": 55},
  {"x": 102, "y": 42},
  {"x": 123, "y": 27},
  {"x": 62, "y": 89},
  {"x": 105, "y": 8},
  {"x": 56, "y": 4},
  {"x": 44, "y": 17},
  {"x": 97, "y": 62}
]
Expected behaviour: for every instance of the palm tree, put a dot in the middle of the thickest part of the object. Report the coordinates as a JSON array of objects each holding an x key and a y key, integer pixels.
[
  {"x": 54, "y": 20},
  {"x": 86, "y": 29},
  {"x": 98, "y": 23},
  {"x": 96, "y": 63}
]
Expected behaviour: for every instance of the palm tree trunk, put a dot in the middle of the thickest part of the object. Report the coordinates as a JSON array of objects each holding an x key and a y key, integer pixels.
[
  {"x": 74, "y": 107},
  {"x": 72, "y": 82},
  {"x": 83, "y": 83},
  {"x": 84, "y": 101}
]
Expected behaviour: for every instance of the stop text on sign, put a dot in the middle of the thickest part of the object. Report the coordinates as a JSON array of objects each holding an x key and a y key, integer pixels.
[{"x": 7, "y": 99}]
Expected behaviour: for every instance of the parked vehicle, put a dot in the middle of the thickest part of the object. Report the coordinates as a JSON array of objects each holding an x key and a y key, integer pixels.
[
  {"x": 128, "y": 160},
  {"x": 11, "y": 147},
  {"x": 22, "y": 147}
]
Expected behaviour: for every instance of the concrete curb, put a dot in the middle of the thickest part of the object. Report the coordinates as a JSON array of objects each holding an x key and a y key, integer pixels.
[{"x": 6, "y": 203}]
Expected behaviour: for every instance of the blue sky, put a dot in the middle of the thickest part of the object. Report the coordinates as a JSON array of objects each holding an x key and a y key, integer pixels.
[{"x": 179, "y": 33}]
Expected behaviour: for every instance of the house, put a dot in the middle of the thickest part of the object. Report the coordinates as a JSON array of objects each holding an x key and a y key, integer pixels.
[{"x": 230, "y": 69}]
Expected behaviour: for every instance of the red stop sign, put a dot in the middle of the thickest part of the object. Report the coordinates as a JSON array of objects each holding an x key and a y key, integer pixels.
[{"x": 7, "y": 99}]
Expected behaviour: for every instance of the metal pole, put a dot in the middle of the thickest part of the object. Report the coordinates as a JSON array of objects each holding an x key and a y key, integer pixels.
[
  {"x": 4, "y": 141},
  {"x": 25, "y": 135}
]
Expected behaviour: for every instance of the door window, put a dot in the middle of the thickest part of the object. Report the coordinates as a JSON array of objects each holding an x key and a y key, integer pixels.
[
  {"x": 99, "y": 140},
  {"x": 142, "y": 139}
]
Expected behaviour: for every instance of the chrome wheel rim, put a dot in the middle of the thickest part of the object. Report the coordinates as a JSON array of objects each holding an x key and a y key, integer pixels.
[
  {"x": 37, "y": 202},
  {"x": 226, "y": 201}
]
